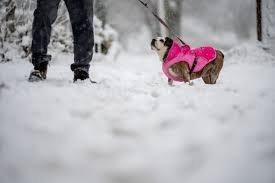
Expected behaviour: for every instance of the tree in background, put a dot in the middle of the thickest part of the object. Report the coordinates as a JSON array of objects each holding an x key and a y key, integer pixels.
[
  {"x": 162, "y": 13},
  {"x": 268, "y": 25},
  {"x": 154, "y": 26},
  {"x": 170, "y": 11},
  {"x": 7, "y": 26},
  {"x": 259, "y": 19},
  {"x": 265, "y": 11},
  {"x": 9, "y": 18},
  {"x": 242, "y": 22},
  {"x": 173, "y": 13}
]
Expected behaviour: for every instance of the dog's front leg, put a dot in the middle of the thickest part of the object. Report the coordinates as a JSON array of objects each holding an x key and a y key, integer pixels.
[
  {"x": 184, "y": 70},
  {"x": 187, "y": 78}
]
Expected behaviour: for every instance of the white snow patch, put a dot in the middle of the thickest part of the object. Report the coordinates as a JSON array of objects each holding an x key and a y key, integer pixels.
[{"x": 133, "y": 127}]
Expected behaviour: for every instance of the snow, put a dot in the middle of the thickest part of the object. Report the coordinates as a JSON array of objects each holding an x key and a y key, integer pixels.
[{"x": 132, "y": 127}]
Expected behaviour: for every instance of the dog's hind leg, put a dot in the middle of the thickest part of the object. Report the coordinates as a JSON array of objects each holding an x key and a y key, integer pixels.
[
  {"x": 207, "y": 79},
  {"x": 218, "y": 68},
  {"x": 211, "y": 78},
  {"x": 207, "y": 72},
  {"x": 214, "y": 78}
]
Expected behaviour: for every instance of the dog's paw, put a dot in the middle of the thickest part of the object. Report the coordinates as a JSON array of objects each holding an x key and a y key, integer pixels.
[
  {"x": 191, "y": 83},
  {"x": 170, "y": 82}
]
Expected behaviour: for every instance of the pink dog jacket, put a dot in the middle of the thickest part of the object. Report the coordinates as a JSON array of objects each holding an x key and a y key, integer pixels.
[{"x": 184, "y": 53}]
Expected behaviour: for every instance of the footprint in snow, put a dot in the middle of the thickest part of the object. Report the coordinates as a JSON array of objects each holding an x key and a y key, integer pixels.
[
  {"x": 263, "y": 94},
  {"x": 195, "y": 157},
  {"x": 154, "y": 94},
  {"x": 3, "y": 86},
  {"x": 82, "y": 114},
  {"x": 231, "y": 90}
]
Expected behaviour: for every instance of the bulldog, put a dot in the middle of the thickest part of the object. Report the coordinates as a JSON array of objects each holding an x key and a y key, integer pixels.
[{"x": 183, "y": 64}]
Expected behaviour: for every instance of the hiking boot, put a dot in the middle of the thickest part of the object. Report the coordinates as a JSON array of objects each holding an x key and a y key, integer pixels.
[
  {"x": 80, "y": 75},
  {"x": 39, "y": 73}
]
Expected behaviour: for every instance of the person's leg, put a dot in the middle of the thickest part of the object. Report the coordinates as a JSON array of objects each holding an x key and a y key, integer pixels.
[
  {"x": 44, "y": 16},
  {"x": 81, "y": 16}
]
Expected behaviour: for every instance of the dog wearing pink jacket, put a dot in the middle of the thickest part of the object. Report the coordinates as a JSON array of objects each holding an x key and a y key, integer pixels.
[{"x": 183, "y": 64}]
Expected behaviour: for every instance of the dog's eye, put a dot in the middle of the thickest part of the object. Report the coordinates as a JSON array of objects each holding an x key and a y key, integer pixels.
[{"x": 161, "y": 40}]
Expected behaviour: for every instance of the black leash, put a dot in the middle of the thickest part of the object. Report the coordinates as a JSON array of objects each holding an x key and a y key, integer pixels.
[
  {"x": 162, "y": 21},
  {"x": 194, "y": 64}
]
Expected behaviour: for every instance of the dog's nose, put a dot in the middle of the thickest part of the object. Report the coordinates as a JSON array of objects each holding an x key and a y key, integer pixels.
[{"x": 153, "y": 42}]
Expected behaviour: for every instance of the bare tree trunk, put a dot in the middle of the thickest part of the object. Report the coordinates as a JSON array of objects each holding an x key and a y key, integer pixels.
[
  {"x": 169, "y": 10},
  {"x": 151, "y": 21},
  {"x": 173, "y": 11},
  {"x": 162, "y": 13},
  {"x": 259, "y": 20},
  {"x": 268, "y": 25}
]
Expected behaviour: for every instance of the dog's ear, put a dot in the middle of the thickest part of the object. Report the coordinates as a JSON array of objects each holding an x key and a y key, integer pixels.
[{"x": 168, "y": 42}]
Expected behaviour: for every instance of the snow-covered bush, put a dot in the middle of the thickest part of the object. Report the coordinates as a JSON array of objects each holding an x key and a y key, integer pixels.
[
  {"x": 249, "y": 53},
  {"x": 106, "y": 39},
  {"x": 15, "y": 29},
  {"x": 7, "y": 27}
]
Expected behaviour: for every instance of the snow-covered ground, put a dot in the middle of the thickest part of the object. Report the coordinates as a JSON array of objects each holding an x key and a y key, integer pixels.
[{"x": 134, "y": 128}]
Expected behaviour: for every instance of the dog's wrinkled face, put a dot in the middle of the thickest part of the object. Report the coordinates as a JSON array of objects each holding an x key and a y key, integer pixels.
[{"x": 162, "y": 46}]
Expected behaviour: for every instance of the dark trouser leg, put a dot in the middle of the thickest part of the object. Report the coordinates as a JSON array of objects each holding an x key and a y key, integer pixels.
[
  {"x": 81, "y": 16},
  {"x": 44, "y": 16}
]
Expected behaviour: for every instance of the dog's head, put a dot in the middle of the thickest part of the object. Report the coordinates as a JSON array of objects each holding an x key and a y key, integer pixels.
[{"x": 162, "y": 46}]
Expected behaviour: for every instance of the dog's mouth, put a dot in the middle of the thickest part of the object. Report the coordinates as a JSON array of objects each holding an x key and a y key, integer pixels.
[{"x": 153, "y": 45}]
